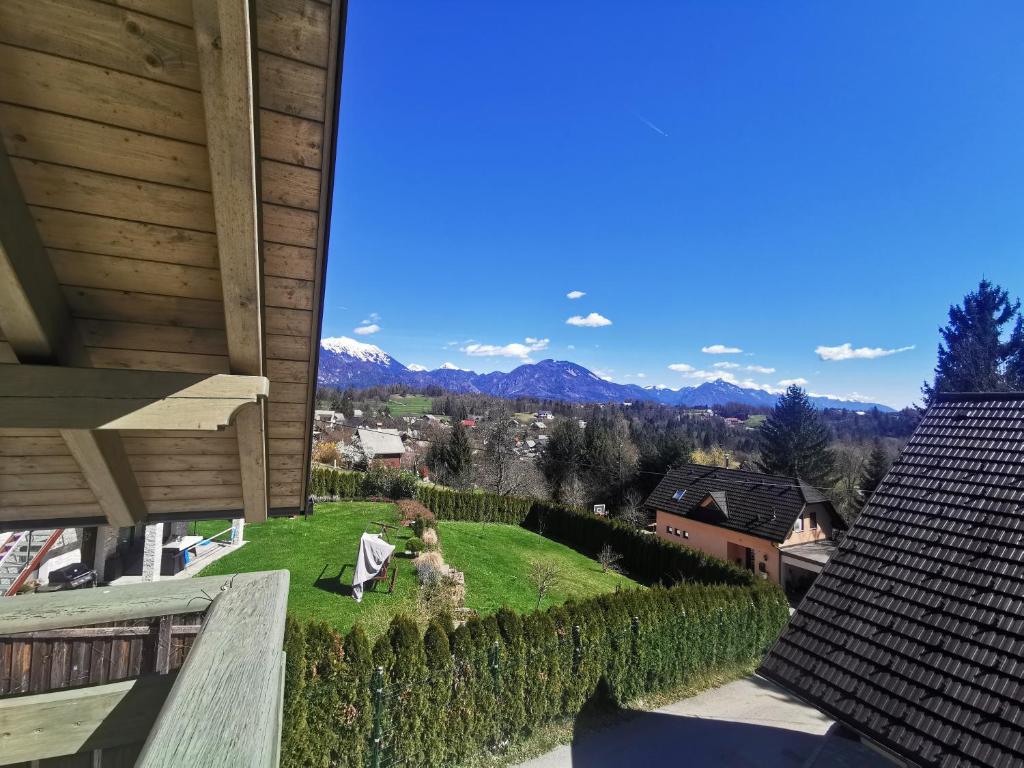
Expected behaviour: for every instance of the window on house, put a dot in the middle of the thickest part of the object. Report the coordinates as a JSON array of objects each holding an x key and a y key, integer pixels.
[
  {"x": 798, "y": 525},
  {"x": 678, "y": 495},
  {"x": 686, "y": 535},
  {"x": 812, "y": 519}
]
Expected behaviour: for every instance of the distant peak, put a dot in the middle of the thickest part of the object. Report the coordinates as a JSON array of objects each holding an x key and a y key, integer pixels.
[
  {"x": 450, "y": 367},
  {"x": 359, "y": 350}
]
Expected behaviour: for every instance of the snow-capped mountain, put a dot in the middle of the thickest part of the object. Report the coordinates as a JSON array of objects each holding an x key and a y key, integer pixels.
[{"x": 345, "y": 362}]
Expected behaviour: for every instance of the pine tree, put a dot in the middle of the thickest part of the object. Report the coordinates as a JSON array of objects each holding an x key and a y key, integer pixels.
[
  {"x": 875, "y": 469},
  {"x": 972, "y": 356},
  {"x": 795, "y": 441},
  {"x": 460, "y": 452}
]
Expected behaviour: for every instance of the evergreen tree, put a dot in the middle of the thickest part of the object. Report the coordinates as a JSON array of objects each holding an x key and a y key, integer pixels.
[
  {"x": 460, "y": 452},
  {"x": 972, "y": 355},
  {"x": 795, "y": 441},
  {"x": 878, "y": 464},
  {"x": 563, "y": 456},
  {"x": 348, "y": 409}
]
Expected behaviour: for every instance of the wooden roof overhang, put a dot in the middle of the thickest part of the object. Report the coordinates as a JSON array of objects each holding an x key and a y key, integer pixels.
[{"x": 165, "y": 177}]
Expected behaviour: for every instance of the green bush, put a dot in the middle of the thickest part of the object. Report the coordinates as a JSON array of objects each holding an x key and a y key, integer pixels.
[
  {"x": 414, "y": 544},
  {"x": 421, "y": 523},
  {"x": 448, "y": 695}
]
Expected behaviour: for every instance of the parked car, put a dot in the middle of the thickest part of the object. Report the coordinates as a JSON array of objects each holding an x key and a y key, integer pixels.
[{"x": 74, "y": 576}]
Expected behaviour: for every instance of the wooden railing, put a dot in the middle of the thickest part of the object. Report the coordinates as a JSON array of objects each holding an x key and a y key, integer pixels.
[{"x": 221, "y": 708}]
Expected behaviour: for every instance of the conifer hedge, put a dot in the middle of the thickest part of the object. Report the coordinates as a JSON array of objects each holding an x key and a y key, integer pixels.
[{"x": 448, "y": 694}]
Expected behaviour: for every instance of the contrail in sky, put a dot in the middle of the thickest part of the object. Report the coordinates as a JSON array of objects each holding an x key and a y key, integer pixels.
[{"x": 650, "y": 125}]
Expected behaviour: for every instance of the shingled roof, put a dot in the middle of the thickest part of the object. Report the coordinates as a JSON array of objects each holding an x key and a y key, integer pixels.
[
  {"x": 766, "y": 506},
  {"x": 913, "y": 634}
]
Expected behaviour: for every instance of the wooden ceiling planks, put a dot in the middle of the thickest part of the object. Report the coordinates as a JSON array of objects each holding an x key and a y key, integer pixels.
[{"x": 109, "y": 143}]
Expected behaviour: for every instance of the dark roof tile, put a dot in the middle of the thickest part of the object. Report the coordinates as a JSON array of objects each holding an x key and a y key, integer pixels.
[
  {"x": 913, "y": 634},
  {"x": 766, "y": 506}
]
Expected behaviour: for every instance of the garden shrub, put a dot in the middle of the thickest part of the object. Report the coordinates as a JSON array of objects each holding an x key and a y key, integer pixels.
[
  {"x": 450, "y": 694},
  {"x": 414, "y": 544},
  {"x": 430, "y": 540},
  {"x": 410, "y": 509}
]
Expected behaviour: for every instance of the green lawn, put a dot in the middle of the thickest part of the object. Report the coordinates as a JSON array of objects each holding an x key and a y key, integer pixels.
[
  {"x": 409, "y": 405},
  {"x": 496, "y": 560},
  {"x": 320, "y": 553},
  {"x": 755, "y": 421}
]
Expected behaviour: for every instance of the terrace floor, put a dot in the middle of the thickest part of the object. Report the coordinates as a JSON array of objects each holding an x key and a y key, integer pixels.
[{"x": 746, "y": 723}]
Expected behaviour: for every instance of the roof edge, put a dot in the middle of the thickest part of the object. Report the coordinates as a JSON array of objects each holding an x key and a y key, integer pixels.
[{"x": 949, "y": 397}]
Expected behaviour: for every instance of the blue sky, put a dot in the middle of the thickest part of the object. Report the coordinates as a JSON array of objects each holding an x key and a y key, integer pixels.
[{"x": 769, "y": 177}]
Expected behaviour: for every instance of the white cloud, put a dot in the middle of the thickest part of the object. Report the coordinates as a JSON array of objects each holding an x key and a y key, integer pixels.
[
  {"x": 373, "y": 318},
  {"x": 720, "y": 349},
  {"x": 417, "y": 367},
  {"x": 575, "y": 294},
  {"x": 791, "y": 382},
  {"x": 759, "y": 369},
  {"x": 848, "y": 352},
  {"x": 696, "y": 374},
  {"x": 593, "y": 320},
  {"x": 515, "y": 349},
  {"x": 366, "y": 330},
  {"x": 726, "y": 365},
  {"x": 641, "y": 375},
  {"x": 571, "y": 346}
]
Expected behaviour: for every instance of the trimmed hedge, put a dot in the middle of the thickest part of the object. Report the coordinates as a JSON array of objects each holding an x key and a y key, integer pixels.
[
  {"x": 449, "y": 694},
  {"x": 332, "y": 484},
  {"x": 473, "y": 506},
  {"x": 644, "y": 556}
]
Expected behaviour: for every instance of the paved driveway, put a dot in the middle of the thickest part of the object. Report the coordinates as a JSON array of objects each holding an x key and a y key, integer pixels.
[{"x": 750, "y": 723}]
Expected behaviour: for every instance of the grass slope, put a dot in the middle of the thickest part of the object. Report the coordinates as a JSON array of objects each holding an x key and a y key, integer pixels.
[
  {"x": 320, "y": 554},
  {"x": 497, "y": 558}
]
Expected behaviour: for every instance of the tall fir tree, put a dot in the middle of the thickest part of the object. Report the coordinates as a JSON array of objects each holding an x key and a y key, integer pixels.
[
  {"x": 972, "y": 355},
  {"x": 877, "y": 465},
  {"x": 459, "y": 453},
  {"x": 562, "y": 458},
  {"x": 795, "y": 441}
]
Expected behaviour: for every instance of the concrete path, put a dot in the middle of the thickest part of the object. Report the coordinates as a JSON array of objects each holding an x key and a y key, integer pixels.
[{"x": 750, "y": 723}]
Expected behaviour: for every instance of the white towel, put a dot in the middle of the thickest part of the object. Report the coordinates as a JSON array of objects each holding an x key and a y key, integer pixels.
[{"x": 373, "y": 553}]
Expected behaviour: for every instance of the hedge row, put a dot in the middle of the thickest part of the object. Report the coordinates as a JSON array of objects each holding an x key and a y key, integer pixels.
[
  {"x": 644, "y": 556},
  {"x": 448, "y": 694},
  {"x": 328, "y": 482},
  {"x": 331, "y": 484},
  {"x": 473, "y": 506}
]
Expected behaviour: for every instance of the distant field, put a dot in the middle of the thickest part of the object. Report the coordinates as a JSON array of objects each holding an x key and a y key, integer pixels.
[
  {"x": 755, "y": 421},
  {"x": 409, "y": 405},
  {"x": 525, "y": 418}
]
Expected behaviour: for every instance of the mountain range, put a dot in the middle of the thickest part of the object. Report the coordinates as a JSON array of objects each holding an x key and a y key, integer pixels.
[{"x": 345, "y": 362}]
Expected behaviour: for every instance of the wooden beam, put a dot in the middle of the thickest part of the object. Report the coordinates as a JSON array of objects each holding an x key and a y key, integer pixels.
[
  {"x": 33, "y": 314},
  {"x": 38, "y": 325},
  {"x": 225, "y": 46},
  {"x": 67, "y": 722},
  {"x": 236, "y": 720},
  {"x": 47, "y": 397}
]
